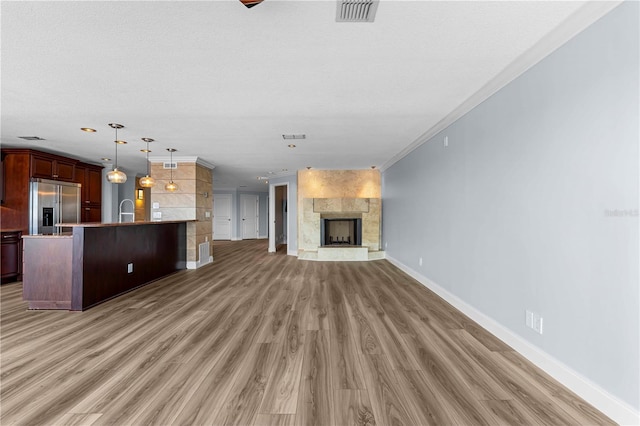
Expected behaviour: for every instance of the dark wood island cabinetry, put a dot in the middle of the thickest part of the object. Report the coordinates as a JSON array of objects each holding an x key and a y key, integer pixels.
[
  {"x": 11, "y": 255},
  {"x": 99, "y": 261}
]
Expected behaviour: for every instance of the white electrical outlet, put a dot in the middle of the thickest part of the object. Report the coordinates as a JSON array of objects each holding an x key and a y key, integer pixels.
[
  {"x": 446, "y": 141},
  {"x": 534, "y": 321},
  {"x": 156, "y": 205},
  {"x": 529, "y": 318},
  {"x": 129, "y": 268},
  {"x": 157, "y": 215},
  {"x": 385, "y": 245},
  {"x": 537, "y": 325},
  {"x": 420, "y": 261}
]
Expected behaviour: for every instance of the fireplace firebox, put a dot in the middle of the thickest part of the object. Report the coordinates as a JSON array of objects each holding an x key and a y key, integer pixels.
[{"x": 341, "y": 232}]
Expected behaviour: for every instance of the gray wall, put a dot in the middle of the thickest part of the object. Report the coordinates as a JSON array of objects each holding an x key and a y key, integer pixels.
[
  {"x": 113, "y": 194},
  {"x": 126, "y": 191},
  {"x": 534, "y": 205}
]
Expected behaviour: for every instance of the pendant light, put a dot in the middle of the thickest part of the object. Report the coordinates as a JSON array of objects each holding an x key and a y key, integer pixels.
[
  {"x": 115, "y": 175},
  {"x": 147, "y": 181},
  {"x": 171, "y": 186}
]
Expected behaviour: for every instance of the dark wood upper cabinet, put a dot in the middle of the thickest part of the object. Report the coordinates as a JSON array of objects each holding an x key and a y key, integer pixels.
[
  {"x": 2, "y": 179},
  {"x": 90, "y": 177},
  {"x": 41, "y": 167},
  {"x": 49, "y": 166},
  {"x": 21, "y": 165},
  {"x": 94, "y": 185}
]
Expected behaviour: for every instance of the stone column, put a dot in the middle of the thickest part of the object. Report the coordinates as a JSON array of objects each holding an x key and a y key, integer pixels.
[{"x": 191, "y": 201}]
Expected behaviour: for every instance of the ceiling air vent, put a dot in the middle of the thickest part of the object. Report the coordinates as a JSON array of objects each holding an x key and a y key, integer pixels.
[
  {"x": 31, "y": 138},
  {"x": 356, "y": 10},
  {"x": 169, "y": 165},
  {"x": 300, "y": 136}
]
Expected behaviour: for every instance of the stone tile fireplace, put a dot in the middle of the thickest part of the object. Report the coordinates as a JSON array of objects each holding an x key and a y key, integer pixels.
[
  {"x": 340, "y": 228},
  {"x": 339, "y": 215}
]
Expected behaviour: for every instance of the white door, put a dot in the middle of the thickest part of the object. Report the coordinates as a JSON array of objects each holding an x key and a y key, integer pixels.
[
  {"x": 221, "y": 216},
  {"x": 249, "y": 215}
]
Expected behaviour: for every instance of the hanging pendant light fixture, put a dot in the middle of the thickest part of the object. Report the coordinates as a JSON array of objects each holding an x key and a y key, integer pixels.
[
  {"x": 115, "y": 175},
  {"x": 171, "y": 186},
  {"x": 147, "y": 181}
]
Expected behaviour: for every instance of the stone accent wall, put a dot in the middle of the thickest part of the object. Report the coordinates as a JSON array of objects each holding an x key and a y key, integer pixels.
[
  {"x": 339, "y": 184},
  {"x": 141, "y": 206},
  {"x": 192, "y": 201}
]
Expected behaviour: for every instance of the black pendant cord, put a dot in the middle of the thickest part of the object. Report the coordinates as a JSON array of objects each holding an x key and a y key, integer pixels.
[{"x": 116, "y": 142}]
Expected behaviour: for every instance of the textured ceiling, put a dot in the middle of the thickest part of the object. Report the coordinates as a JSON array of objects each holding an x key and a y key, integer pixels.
[{"x": 219, "y": 81}]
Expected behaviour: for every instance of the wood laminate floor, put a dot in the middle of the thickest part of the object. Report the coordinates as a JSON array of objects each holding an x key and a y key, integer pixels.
[{"x": 258, "y": 339}]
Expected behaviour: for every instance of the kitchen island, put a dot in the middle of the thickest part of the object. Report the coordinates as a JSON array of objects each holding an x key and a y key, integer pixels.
[{"x": 99, "y": 261}]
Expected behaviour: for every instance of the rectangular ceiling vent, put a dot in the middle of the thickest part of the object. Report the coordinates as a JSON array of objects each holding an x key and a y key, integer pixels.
[
  {"x": 356, "y": 10},
  {"x": 31, "y": 138},
  {"x": 168, "y": 165},
  {"x": 299, "y": 136}
]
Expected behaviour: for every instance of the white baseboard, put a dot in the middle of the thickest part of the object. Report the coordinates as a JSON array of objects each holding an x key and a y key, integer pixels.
[
  {"x": 619, "y": 411},
  {"x": 195, "y": 265},
  {"x": 263, "y": 237},
  {"x": 236, "y": 239},
  {"x": 292, "y": 252}
]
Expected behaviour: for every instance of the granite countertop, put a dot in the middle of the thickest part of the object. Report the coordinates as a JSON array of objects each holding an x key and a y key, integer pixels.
[
  {"x": 63, "y": 235},
  {"x": 104, "y": 225}
]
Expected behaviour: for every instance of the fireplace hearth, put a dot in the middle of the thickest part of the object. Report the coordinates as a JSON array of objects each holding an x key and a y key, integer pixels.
[{"x": 340, "y": 232}]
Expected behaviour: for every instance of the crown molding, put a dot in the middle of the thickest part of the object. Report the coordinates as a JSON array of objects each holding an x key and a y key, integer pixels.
[{"x": 585, "y": 16}]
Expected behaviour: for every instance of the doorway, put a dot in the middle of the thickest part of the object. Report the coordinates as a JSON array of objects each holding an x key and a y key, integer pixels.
[
  {"x": 278, "y": 215},
  {"x": 222, "y": 223},
  {"x": 249, "y": 212}
]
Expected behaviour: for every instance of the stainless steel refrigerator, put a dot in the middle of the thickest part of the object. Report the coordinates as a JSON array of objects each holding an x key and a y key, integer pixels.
[{"x": 52, "y": 202}]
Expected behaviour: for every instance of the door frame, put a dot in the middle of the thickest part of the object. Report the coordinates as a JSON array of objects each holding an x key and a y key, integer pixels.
[
  {"x": 256, "y": 198},
  {"x": 213, "y": 219},
  {"x": 272, "y": 216}
]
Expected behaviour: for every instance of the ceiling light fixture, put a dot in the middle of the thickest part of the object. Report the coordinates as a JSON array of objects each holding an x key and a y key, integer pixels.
[
  {"x": 250, "y": 3},
  {"x": 291, "y": 145},
  {"x": 147, "y": 181},
  {"x": 171, "y": 186},
  {"x": 115, "y": 175},
  {"x": 88, "y": 129}
]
